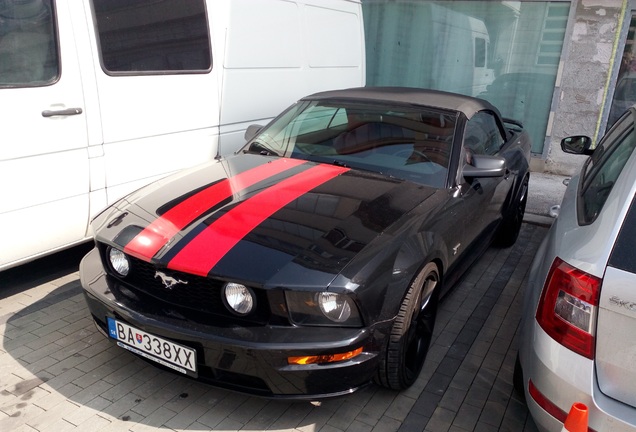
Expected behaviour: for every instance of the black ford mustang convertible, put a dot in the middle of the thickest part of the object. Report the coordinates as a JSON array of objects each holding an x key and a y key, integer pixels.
[{"x": 311, "y": 263}]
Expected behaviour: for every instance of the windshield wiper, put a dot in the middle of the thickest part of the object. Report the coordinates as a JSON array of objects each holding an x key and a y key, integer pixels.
[
  {"x": 261, "y": 149},
  {"x": 340, "y": 164}
]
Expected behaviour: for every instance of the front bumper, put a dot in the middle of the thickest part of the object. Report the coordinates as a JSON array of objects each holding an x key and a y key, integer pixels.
[{"x": 250, "y": 359}]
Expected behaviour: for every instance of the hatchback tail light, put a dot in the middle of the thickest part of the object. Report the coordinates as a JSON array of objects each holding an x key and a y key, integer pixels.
[{"x": 568, "y": 306}]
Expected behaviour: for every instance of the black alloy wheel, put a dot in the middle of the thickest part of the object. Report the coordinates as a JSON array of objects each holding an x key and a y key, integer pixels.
[
  {"x": 511, "y": 226},
  {"x": 412, "y": 332}
]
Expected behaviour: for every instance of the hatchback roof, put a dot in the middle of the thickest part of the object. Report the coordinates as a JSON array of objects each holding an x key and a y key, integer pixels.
[{"x": 413, "y": 96}]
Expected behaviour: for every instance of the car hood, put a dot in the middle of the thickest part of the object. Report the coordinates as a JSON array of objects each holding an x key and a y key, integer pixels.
[{"x": 259, "y": 219}]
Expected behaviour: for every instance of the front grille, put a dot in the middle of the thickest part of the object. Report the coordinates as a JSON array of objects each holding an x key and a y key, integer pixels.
[
  {"x": 193, "y": 292},
  {"x": 195, "y": 297}
]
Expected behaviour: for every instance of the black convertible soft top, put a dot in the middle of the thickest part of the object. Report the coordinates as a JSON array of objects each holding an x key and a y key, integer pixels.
[{"x": 413, "y": 96}]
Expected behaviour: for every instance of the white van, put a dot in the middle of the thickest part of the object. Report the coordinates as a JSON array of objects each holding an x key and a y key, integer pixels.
[
  {"x": 99, "y": 97},
  {"x": 447, "y": 50}
]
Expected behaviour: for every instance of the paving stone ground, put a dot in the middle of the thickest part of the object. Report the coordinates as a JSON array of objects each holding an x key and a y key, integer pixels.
[{"x": 57, "y": 373}]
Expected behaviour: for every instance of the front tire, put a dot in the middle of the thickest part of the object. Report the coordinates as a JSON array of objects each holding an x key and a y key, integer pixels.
[{"x": 411, "y": 332}]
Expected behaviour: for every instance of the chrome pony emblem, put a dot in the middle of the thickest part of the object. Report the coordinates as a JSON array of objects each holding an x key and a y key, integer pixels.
[{"x": 169, "y": 281}]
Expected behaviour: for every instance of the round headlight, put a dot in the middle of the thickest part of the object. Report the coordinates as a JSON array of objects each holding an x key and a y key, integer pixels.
[
  {"x": 239, "y": 298},
  {"x": 334, "y": 306},
  {"x": 118, "y": 261}
]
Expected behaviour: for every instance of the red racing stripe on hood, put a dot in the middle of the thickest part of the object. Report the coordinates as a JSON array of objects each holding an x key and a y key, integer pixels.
[
  {"x": 148, "y": 242},
  {"x": 210, "y": 246}
]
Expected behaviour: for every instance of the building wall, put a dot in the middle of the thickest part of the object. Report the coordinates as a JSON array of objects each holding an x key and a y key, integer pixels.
[
  {"x": 585, "y": 84},
  {"x": 419, "y": 43}
]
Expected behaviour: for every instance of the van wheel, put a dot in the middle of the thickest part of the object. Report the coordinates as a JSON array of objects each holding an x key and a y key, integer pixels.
[
  {"x": 511, "y": 225},
  {"x": 411, "y": 333}
]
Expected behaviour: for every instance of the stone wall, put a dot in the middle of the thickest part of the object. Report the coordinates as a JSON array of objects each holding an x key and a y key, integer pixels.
[{"x": 587, "y": 65}]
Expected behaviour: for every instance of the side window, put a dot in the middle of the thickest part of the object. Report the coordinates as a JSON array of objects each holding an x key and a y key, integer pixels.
[
  {"x": 623, "y": 254},
  {"x": 28, "y": 45},
  {"x": 482, "y": 134},
  {"x": 602, "y": 171},
  {"x": 153, "y": 36}
]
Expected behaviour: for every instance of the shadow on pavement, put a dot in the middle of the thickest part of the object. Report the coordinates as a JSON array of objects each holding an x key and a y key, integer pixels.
[
  {"x": 42, "y": 270},
  {"x": 57, "y": 365},
  {"x": 57, "y": 369}
]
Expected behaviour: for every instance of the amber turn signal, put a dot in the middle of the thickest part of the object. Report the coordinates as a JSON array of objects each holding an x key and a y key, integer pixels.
[{"x": 328, "y": 358}]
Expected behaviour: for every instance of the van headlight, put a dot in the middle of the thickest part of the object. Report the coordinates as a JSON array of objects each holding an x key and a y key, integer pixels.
[
  {"x": 118, "y": 261},
  {"x": 324, "y": 308}
]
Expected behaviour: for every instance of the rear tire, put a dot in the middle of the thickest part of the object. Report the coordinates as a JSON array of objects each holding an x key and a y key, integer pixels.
[
  {"x": 517, "y": 380},
  {"x": 511, "y": 226},
  {"x": 412, "y": 332}
]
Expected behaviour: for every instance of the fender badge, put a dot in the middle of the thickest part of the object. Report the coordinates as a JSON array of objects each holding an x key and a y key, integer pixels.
[
  {"x": 617, "y": 301},
  {"x": 169, "y": 281}
]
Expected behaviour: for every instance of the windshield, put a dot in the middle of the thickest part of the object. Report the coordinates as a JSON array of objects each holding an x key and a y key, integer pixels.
[{"x": 411, "y": 143}]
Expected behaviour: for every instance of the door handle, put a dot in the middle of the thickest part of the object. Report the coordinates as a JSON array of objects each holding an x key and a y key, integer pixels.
[{"x": 63, "y": 112}]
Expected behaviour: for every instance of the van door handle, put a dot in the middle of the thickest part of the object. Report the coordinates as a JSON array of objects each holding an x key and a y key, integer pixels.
[{"x": 64, "y": 112}]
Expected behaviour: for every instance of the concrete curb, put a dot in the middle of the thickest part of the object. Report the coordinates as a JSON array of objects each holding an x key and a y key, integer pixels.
[
  {"x": 545, "y": 191},
  {"x": 540, "y": 220}
]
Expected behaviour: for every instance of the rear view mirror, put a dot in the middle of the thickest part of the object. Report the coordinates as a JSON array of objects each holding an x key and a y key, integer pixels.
[
  {"x": 485, "y": 166},
  {"x": 577, "y": 144},
  {"x": 252, "y": 131}
]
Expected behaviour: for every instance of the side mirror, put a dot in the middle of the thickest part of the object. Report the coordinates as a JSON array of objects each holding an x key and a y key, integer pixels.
[
  {"x": 578, "y": 144},
  {"x": 252, "y": 131},
  {"x": 485, "y": 166}
]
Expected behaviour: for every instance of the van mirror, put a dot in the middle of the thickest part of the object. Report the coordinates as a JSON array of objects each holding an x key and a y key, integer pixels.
[
  {"x": 577, "y": 144},
  {"x": 252, "y": 131}
]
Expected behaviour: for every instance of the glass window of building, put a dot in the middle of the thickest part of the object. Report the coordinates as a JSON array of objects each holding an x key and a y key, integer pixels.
[
  {"x": 625, "y": 92},
  {"x": 506, "y": 52}
]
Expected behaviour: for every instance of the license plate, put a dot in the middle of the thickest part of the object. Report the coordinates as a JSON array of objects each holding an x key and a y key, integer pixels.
[{"x": 177, "y": 357}]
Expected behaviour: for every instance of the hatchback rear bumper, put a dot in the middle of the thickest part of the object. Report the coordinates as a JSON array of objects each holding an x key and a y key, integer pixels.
[{"x": 564, "y": 377}]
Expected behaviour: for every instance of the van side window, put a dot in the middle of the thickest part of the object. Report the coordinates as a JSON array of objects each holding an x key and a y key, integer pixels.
[
  {"x": 28, "y": 46},
  {"x": 480, "y": 52},
  {"x": 153, "y": 36}
]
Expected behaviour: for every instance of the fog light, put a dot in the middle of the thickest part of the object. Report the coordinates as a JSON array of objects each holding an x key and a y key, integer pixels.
[
  {"x": 118, "y": 261},
  {"x": 239, "y": 298}
]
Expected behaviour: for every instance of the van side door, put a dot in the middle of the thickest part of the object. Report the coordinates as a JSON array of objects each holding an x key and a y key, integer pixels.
[{"x": 44, "y": 174}]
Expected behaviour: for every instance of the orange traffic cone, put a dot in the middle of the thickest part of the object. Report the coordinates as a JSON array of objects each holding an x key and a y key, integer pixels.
[{"x": 576, "y": 420}]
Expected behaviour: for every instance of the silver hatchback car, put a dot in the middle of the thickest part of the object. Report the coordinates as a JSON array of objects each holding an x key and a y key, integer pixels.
[{"x": 578, "y": 325}]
